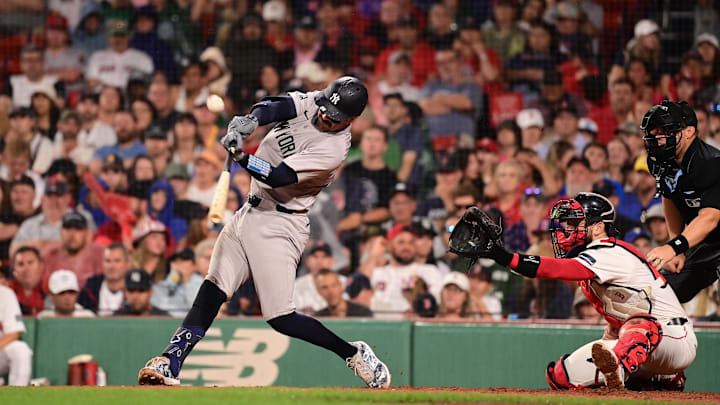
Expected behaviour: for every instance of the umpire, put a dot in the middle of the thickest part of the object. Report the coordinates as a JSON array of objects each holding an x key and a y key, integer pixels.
[{"x": 688, "y": 179}]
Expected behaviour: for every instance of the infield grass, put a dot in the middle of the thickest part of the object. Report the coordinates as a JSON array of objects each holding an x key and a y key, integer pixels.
[{"x": 274, "y": 396}]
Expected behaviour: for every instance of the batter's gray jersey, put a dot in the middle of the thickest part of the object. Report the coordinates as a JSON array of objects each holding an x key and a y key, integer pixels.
[
  {"x": 314, "y": 155},
  {"x": 267, "y": 244}
]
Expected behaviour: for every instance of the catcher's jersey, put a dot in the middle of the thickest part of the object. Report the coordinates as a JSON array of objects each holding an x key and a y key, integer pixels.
[
  {"x": 10, "y": 315},
  {"x": 314, "y": 155},
  {"x": 625, "y": 283}
]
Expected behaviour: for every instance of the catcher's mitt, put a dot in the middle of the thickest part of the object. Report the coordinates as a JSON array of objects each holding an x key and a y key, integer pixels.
[{"x": 475, "y": 235}]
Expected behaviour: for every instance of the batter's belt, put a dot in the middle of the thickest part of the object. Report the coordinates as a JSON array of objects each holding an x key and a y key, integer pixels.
[{"x": 259, "y": 202}]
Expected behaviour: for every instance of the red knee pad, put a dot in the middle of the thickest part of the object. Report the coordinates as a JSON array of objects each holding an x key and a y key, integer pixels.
[
  {"x": 638, "y": 337},
  {"x": 557, "y": 378}
]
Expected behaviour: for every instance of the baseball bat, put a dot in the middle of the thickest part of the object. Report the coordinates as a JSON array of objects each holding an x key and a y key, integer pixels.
[{"x": 217, "y": 209}]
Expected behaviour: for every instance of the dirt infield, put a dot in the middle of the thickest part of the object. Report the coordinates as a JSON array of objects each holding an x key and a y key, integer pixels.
[{"x": 660, "y": 396}]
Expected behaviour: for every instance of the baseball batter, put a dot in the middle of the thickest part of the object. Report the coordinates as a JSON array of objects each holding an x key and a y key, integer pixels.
[
  {"x": 265, "y": 238},
  {"x": 15, "y": 355},
  {"x": 649, "y": 340}
]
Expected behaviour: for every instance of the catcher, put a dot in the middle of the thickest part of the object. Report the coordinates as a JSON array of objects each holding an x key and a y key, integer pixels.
[{"x": 649, "y": 340}]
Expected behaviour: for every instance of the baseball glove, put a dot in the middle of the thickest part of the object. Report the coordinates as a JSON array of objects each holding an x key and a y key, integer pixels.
[{"x": 475, "y": 235}]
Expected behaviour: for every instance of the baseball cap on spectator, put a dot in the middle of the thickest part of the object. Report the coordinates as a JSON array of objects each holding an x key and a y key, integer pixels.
[
  {"x": 23, "y": 179},
  {"x": 479, "y": 272},
  {"x": 137, "y": 280},
  {"x": 629, "y": 128},
  {"x": 146, "y": 11},
  {"x": 605, "y": 188},
  {"x": 578, "y": 159},
  {"x": 63, "y": 280},
  {"x": 274, "y": 11},
  {"x": 209, "y": 157},
  {"x": 552, "y": 78},
  {"x": 397, "y": 230},
  {"x": 457, "y": 278},
  {"x": 587, "y": 125},
  {"x": 55, "y": 21},
  {"x": 185, "y": 254},
  {"x": 372, "y": 231},
  {"x": 112, "y": 162},
  {"x": 425, "y": 305},
  {"x": 567, "y": 10},
  {"x": 307, "y": 22},
  {"x": 311, "y": 71},
  {"x": 447, "y": 163},
  {"x": 641, "y": 164},
  {"x": 530, "y": 117},
  {"x": 251, "y": 19},
  {"x": 488, "y": 145},
  {"x": 692, "y": 54},
  {"x": 357, "y": 283},
  {"x": 139, "y": 189},
  {"x": 22, "y": 112},
  {"x": 645, "y": 27},
  {"x": 406, "y": 21},
  {"x": 74, "y": 220},
  {"x": 654, "y": 212},
  {"x": 399, "y": 56},
  {"x": 155, "y": 132},
  {"x": 401, "y": 188},
  {"x": 118, "y": 27},
  {"x": 423, "y": 228},
  {"x": 146, "y": 227},
  {"x": 53, "y": 185},
  {"x": 176, "y": 171},
  {"x": 709, "y": 38},
  {"x": 320, "y": 245},
  {"x": 636, "y": 233},
  {"x": 470, "y": 23}
]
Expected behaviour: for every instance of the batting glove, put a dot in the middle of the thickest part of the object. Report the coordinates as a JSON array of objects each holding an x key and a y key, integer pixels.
[{"x": 243, "y": 125}]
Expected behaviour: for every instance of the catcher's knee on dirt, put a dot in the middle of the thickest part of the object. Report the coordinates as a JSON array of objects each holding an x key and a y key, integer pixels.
[
  {"x": 557, "y": 376},
  {"x": 638, "y": 337}
]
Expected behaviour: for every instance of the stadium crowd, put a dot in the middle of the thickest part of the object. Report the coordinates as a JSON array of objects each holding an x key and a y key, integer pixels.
[{"x": 110, "y": 155}]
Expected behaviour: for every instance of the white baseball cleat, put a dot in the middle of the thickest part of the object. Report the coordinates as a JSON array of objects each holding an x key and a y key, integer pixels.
[
  {"x": 368, "y": 367},
  {"x": 607, "y": 362},
  {"x": 157, "y": 372}
]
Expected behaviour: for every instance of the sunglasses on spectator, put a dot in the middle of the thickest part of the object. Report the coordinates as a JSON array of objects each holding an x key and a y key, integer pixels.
[{"x": 533, "y": 191}]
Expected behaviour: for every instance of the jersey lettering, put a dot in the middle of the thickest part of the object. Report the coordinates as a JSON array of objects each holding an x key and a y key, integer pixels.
[{"x": 286, "y": 142}]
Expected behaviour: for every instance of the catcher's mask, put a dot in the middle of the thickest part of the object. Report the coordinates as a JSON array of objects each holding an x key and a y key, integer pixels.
[{"x": 568, "y": 227}]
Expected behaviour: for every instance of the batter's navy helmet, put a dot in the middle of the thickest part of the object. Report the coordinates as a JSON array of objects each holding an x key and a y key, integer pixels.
[{"x": 343, "y": 99}]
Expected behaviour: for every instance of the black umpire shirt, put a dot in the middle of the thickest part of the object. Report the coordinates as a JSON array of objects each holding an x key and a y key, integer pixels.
[{"x": 695, "y": 184}]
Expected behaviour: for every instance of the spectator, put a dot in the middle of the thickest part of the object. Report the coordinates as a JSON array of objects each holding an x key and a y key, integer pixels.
[
  {"x": 152, "y": 241},
  {"x": 439, "y": 32},
  {"x": 113, "y": 173},
  {"x": 531, "y": 12},
  {"x": 533, "y": 210},
  {"x": 203, "y": 253},
  {"x": 578, "y": 177},
  {"x": 66, "y": 138},
  {"x": 629, "y": 132},
  {"x": 483, "y": 61},
  {"x": 654, "y": 221},
  {"x": 439, "y": 202},
  {"x": 578, "y": 67},
  {"x": 158, "y": 147},
  {"x": 17, "y": 157},
  {"x": 128, "y": 143},
  {"x": 177, "y": 292},
  {"x": 145, "y": 39},
  {"x": 120, "y": 229},
  {"x": 61, "y": 59},
  {"x": 187, "y": 144},
  {"x": 401, "y": 273},
  {"x": 112, "y": 66},
  {"x": 525, "y": 70},
  {"x": 642, "y": 195},
  {"x": 307, "y": 298},
  {"x": 63, "y": 286},
  {"x": 566, "y": 128},
  {"x": 192, "y": 90},
  {"x": 398, "y": 78},
  {"x": 483, "y": 303},
  {"x": 639, "y": 239},
  {"x": 104, "y": 293},
  {"x": 144, "y": 112},
  {"x": 567, "y": 16},
  {"x": 597, "y": 155},
  {"x": 217, "y": 75},
  {"x": 142, "y": 169},
  {"x": 531, "y": 125},
  {"x": 138, "y": 293},
  {"x": 23, "y": 128},
  {"x": 77, "y": 252},
  {"x": 20, "y": 88},
  {"x": 422, "y": 55},
  {"x": 162, "y": 207},
  {"x": 368, "y": 183},
  {"x": 645, "y": 45},
  {"x": 452, "y": 104},
  {"x": 708, "y": 47},
  {"x": 21, "y": 196},
  {"x": 583, "y": 309},
  {"x": 15, "y": 355},
  {"x": 509, "y": 190},
  {"x": 160, "y": 97},
  {"x": 425, "y": 245},
  {"x": 612, "y": 192},
  {"x": 554, "y": 96},
  {"x": 207, "y": 126},
  {"x": 381, "y": 27},
  {"x": 330, "y": 287},
  {"x": 455, "y": 302},
  {"x": 202, "y": 185},
  {"x": 638, "y": 72},
  {"x": 337, "y": 39},
  {"x": 90, "y": 34},
  {"x": 30, "y": 283},
  {"x": 622, "y": 97},
  {"x": 45, "y": 227},
  {"x": 501, "y": 34},
  {"x": 618, "y": 158},
  {"x": 94, "y": 134},
  {"x": 46, "y": 112},
  {"x": 703, "y": 126},
  {"x": 309, "y": 46},
  {"x": 359, "y": 290},
  {"x": 110, "y": 100},
  {"x": 509, "y": 139},
  {"x": 179, "y": 179},
  {"x": 408, "y": 138},
  {"x": 402, "y": 206}
]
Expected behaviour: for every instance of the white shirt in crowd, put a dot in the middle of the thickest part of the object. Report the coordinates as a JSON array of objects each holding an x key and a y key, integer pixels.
[
  {"x": 114, "y": 69},
  {"x": 79, "y": 312},
  {"x": 23, "y": 88},
  {"x": 108, "y": 301},
  {"x": 389, "y": 282},
  {"x": 99, "y": 135},
  {"x": 203, "y": 197},
  {"x": 307, "y": 299}
]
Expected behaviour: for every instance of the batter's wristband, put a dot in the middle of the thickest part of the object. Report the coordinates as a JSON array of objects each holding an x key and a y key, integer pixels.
[{"x": 679, "y": 244}]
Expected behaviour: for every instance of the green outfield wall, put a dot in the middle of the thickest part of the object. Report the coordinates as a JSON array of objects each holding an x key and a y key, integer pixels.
[{"x": 245, "y": 352}]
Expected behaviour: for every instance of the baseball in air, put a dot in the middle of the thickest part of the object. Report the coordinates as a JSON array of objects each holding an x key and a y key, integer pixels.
[{"x": 215, "y": 103}]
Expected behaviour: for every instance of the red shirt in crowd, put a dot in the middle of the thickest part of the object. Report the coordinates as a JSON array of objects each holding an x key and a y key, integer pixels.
[
  {"x": 569, "y": 73},
  {"x": 35, "y": 301},
  {"x": 606, "y": 121},
  {"x": 85, "y": 265},
  {"x": 423, "y": 62}
]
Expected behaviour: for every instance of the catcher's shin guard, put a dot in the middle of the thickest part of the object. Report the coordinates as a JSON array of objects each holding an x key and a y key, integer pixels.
[
  {"x": 638, "y": 337},
  {"x": 557, "y": 376}
]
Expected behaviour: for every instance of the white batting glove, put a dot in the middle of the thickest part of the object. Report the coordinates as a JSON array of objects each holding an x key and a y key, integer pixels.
[{"x": 243, "y": 125}]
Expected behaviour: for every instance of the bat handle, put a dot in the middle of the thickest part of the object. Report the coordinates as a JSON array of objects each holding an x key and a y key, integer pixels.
[{"x": 229, "y": 160}]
